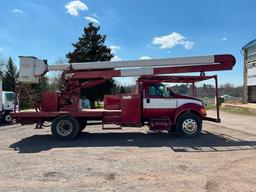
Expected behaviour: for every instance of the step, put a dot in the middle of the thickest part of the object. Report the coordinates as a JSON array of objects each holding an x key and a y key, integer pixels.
[{"x": 118, "y": 127}]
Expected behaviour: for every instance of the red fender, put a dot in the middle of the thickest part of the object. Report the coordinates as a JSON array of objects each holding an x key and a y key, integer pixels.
[{"x": 199, "y": 109}]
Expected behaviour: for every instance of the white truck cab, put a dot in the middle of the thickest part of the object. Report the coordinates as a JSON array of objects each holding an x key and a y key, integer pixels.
[{"x": 6, "y": 104}]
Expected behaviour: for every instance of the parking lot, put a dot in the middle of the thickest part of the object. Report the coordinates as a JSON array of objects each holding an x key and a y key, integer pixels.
[{"x": 223, "y": 158}]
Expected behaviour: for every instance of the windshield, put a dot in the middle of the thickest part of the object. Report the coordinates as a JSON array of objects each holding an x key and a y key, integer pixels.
[{"x": 9, "y": 96}]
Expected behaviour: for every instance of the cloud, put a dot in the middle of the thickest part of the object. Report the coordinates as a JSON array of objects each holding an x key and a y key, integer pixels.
[
  {"x": 114, "y": 48},
  {"x": 171, "y": 40},
  {"x": 1, "y": 49},
  {"x": 145, "y": 58},
  {"x": 188, "y": 44},
  {"x": 224, "y": 39},
  {"x": 17, "y": 11},
  {"x": 91, "y": 19},
  {"x": 74, "y": 6},
  {"x": 116, "y": 58}
]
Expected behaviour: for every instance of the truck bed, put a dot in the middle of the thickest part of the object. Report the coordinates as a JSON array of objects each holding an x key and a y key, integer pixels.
[{"x": 93, "y": 113}]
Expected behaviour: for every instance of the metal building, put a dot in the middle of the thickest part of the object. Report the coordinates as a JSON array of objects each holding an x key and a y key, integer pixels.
[{"x": 249, "y": 51}]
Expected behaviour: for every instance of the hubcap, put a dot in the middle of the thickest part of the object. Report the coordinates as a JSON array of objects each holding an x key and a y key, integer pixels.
[
  {"x": 189, "y": 126},
  {"x": 8, "y": 118},
  {"x": 64, "y": 128}
]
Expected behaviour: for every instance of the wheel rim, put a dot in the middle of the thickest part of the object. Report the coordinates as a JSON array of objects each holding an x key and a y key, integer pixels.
[
  {"x": 8, "y": 118},
  {"x": 189, "y": 126},
  {"x": 64, "y": 128}
]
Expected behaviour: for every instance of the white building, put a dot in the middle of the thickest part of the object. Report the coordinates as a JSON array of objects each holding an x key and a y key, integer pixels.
[{"x": 249, "y": 51}]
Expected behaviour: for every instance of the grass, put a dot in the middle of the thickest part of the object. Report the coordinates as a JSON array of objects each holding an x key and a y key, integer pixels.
[
  {"x": 232, "y": 109},
  {"x": 238, "y": 110},
  {"x": 210, "y": 106}
]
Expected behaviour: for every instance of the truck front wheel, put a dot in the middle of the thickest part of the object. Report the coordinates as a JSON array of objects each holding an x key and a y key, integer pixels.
[
  {"x": 189, "y": 125},
  {"x": 65, "y": 127},
  {"x": 7, "y": 118}
]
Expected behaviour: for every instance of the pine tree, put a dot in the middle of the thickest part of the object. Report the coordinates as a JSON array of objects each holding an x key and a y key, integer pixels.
[
  {"x": 91, "y": 48},
  {"x": 2, "y": 64},
  {"x": 10, "y": 76}
]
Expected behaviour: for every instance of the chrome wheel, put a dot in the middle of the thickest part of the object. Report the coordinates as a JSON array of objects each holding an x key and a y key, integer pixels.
[
  {"x": 189, "y": 126},
  {"x": 64, "y": 128},
  {"x": 8, "y": 118}
]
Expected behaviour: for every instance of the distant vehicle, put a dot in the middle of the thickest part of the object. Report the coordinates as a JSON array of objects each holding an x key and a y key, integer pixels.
[
  {"x": 6, "y": 104},
  {"x": 226, "y": 96}
]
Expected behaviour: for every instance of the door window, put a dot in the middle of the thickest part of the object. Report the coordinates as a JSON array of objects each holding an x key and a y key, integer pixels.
[{"x": 156, "y": 90}]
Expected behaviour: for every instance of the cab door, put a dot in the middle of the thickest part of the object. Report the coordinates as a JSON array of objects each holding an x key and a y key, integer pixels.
[{"x": 156, "y": 103}]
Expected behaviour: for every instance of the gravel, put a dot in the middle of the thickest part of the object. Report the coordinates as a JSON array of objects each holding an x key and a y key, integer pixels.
[{"x": 131, "y": 159}]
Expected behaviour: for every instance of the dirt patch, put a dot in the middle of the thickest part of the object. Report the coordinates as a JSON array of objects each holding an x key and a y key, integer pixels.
[
  {"x": 212, "y": 186},
  {"x": 110, "y": 176},
  {"x": 53, "y": 176}
]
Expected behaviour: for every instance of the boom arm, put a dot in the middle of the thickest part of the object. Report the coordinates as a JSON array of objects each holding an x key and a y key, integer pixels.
[{"x": 32, "y": 68}]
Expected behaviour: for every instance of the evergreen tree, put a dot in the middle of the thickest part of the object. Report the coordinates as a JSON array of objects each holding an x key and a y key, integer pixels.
[
  {"x": 122, "y": 89},
  {"x": 91, "y": 48},
  {"x": 10, "y": 76},
  {"x": 2, "y": 64}
]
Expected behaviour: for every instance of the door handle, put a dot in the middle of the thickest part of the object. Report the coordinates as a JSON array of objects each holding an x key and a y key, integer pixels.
[{"x": 148, "y": 100}]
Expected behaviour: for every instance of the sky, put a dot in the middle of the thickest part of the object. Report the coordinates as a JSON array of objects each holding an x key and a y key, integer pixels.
[{"x": 135, "y": 29}]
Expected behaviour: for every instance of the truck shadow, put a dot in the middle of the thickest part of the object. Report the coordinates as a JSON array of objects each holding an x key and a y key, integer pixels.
[
  {"x": 4, "y": 124},
  {"x": 207, "y": 142}
]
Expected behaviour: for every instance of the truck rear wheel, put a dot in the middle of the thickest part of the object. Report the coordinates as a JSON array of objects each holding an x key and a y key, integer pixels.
[
  {"x": 189, "y": 125},
  {"x": 65, "y": 127}
]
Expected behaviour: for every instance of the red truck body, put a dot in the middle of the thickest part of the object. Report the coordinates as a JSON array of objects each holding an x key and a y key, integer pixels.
[
  {"x": 159, "y": 112},
  {"x": 152, "y": 104}
]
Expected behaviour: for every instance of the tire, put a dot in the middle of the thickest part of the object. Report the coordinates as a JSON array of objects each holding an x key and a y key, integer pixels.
[
  {"x": 189, "y": 125},
  {"x": 65, "y": 127},
  {"x": 7, "y": 118}
]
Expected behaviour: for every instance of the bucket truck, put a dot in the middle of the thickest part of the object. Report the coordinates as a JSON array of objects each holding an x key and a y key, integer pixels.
[{"x": 152, "y": 104}]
